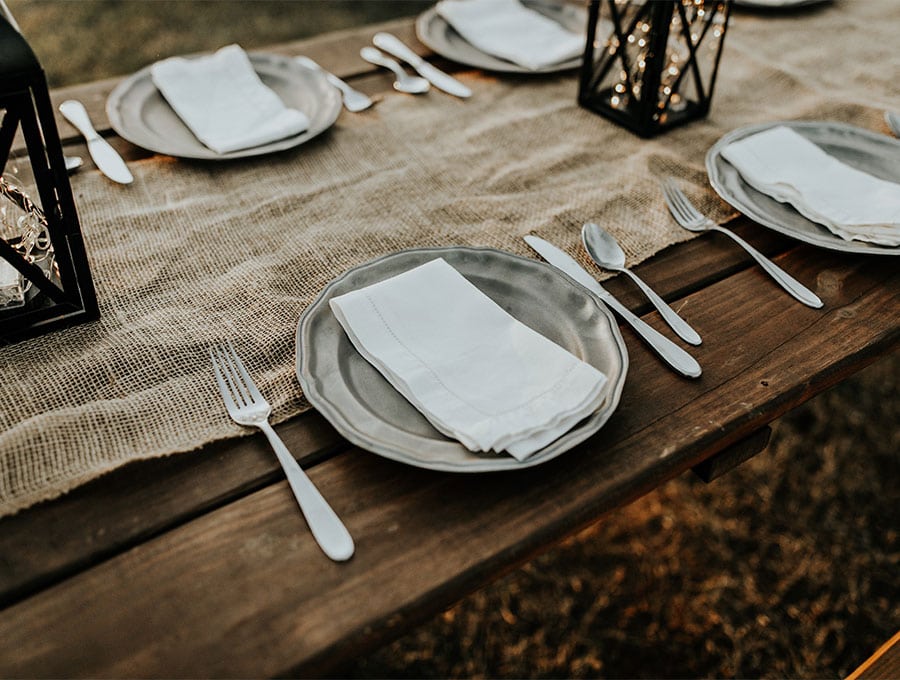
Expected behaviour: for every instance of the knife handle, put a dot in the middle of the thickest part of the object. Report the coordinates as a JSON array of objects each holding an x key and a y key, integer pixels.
[
  {"x": 671, "y": 353},
  {"x": 393, "y": 46},
  {"x": 74, "y": 112}
]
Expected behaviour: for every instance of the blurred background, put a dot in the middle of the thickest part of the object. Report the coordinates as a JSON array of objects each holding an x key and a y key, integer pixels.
[
  {"x": 79, "y": 40},
  {"x": 785, "y": 567}
]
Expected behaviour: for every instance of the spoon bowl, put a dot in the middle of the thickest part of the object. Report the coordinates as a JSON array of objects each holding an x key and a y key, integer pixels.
[
  {"x": 602, "y": 247},
  {"x": 403, "y": 81}
]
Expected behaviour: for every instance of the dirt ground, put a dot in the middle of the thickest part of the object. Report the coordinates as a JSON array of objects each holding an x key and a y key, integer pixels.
[{"x": 785, "y": 568}]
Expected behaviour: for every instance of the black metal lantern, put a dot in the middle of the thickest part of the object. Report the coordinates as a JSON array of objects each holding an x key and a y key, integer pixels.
[
  {"x": 650, "y": 65},
  {"x": 45, "y": 281}
]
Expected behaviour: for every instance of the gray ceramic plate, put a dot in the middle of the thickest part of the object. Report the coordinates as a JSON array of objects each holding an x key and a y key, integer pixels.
[
  {"x": 434, "y": 32},
  {"x": 776, "y": 4},
  {"x": 870, "y": 152},
  {"x": 138, "y": 112},
  {"x": 368, "y": 411}
]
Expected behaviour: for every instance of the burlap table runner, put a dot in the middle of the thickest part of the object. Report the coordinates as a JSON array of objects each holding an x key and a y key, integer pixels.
[{"x": 192, "y": 254}]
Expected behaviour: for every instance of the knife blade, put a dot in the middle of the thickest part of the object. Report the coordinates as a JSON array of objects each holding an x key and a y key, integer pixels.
[
  {"x": 107, "y": 160},
  {"x": 667, "y": 350},
  {"x": 393, "y": 46}
]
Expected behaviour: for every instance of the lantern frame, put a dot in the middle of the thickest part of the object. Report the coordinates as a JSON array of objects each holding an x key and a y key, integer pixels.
[
  {"x": 26, "y": 107},
  {"x": 645, "y": 114}
]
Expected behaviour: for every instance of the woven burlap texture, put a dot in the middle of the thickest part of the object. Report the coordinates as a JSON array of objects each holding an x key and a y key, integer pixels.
[{"x": 192, "y": 254}]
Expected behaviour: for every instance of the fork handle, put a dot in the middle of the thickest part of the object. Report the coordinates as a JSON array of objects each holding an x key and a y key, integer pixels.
[
  {"x": 788, "y": 282},
  {"x": 327, "y": 528}
]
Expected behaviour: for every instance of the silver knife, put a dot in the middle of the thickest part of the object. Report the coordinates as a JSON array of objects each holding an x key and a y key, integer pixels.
[
  {"x": 671, "y": 353},
  {"x": 108, "y": 161},
  {"x": 393, "y": 46}
]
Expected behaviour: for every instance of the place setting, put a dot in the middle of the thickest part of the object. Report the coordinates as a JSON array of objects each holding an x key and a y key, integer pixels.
[
  {"x": 460, "y": 359},
  {"x": 228, "y": 105},
  {"x": 830, "y": 184},
  {"x": 506, "y": 36},
  {"x": 232, "y": 104}
]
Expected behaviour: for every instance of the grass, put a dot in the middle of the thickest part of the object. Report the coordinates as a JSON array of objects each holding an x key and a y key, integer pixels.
[
  {"x": 785, "y": 567},
  {"x": 82, "y": 40}
]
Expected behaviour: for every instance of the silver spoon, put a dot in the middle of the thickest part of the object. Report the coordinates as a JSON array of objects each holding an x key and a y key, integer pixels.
[
  {"x": 404, "y": 82},
  {"x": 607, "y": 254},
  {"x": 354, "y": 100}
]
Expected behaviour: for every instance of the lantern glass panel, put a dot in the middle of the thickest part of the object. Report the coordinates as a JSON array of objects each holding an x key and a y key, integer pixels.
[{"x": 24, "y": 227}]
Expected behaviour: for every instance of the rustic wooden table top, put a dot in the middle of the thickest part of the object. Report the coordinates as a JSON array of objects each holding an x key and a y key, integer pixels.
[{"x": 201, "y": 565}]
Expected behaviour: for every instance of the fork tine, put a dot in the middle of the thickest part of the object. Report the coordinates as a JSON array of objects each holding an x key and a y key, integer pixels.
[
  {"x": 682, "y": 208},
  {"x": 687, "y": 207},
  {"x": 230, "y": 357},
  {"x": 667, "y": 186},
  {"x": 671, "y": 197},
  {"x": 224, "y": 389},
  {"x": 241, "y": 397},
  {"x": 248, "y": 381}
]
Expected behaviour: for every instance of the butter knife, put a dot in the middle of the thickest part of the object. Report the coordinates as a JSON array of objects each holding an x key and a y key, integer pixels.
[
  {"x": 671, "y": 353},
  {"x": 107, "y": 160},
  {"x": 393, "y": 46}
]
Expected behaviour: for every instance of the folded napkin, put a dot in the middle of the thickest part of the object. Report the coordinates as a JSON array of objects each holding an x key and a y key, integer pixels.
[
  {"x": 788, "y": 167},
  {"x": 476, "y": 373},
  {"x": 507, "y": 29},
  {"x": 223, "y": 102}
]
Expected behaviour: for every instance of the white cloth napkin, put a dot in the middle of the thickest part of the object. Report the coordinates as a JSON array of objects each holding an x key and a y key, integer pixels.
[
  {"x": 507, "y": 29},
  {"x": 788, "y": 167},
  {"x": 223, "y": 102},
  {"x": 475, "y": 372}
]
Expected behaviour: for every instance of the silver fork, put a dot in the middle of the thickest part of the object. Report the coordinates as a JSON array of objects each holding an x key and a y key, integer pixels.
[
  {"x": 247, "y": 406},
  {"x": 693, "y": 220}
]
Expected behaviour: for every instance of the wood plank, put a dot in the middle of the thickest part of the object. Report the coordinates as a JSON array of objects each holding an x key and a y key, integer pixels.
[
  {"x": 110, "y": 514},
  {"x": 244, "y": 591},
  {"x": 715, "y": 466},
  {"x": 146, "y": 498},
  {"x": 884, "y": 664}
]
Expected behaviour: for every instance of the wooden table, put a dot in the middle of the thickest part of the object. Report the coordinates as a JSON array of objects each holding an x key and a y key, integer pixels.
[{"x": 200, "y": 564}]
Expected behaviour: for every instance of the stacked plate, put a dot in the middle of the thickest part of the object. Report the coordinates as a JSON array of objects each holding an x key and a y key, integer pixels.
[
  {"x": 776, "y": 4},
  {"x": 139, "y": 113},
  {"x": 436, "y": 33},
  {"x": 366, "y": 409},
  {"x": 869, "y": 152}
]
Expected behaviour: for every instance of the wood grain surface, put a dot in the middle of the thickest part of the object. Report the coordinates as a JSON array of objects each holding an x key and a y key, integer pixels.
[{"x": 206, "y": 597}]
